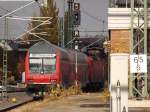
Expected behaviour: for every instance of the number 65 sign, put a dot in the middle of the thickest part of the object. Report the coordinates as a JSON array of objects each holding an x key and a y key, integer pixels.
[{"x": 138, "y": 63}]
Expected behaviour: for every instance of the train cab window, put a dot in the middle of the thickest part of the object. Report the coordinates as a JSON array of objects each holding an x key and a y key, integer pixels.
[
  {"x": 42, "y": 65},
  {"x": 49, "y": 65},
  {"x": 35, "y": 65}
]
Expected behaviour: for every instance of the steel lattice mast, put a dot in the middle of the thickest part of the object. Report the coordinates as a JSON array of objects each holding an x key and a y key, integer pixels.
[{"x": 138, "y": 44}]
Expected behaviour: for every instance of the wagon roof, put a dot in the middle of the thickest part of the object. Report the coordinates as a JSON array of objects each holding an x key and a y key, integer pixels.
[{"x": 45, "y": 47}]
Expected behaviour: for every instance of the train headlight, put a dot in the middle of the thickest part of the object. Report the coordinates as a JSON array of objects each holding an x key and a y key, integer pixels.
[
  {"x": 53, "y": 81},
  {"x": 30, "y": 81},
  {"x": 42, "y": 72}
]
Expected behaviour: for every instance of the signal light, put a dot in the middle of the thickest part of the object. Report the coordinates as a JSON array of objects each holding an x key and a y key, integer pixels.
[
  {"x": 76, "y": 18},
  {"x": 77, "y": 6}
]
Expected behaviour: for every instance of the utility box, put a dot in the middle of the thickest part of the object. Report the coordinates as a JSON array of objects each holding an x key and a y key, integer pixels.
[{"x": 119, "y": 82}]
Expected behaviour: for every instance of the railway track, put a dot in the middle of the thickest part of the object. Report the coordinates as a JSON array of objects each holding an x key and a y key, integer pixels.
[{"x": 20, "y": 99}]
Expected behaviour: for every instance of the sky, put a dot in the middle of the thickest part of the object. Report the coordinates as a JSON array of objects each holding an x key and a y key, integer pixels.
[
  {"x": 93, "y": 12},
  {"x": 15, "y": 27}
]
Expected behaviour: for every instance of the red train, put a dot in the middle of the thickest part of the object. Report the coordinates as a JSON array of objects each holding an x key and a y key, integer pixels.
[{"x": 47, "y": 64}]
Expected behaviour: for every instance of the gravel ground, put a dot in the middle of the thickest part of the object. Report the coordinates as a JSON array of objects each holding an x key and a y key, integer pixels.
[
  {"x": 80, "y": 103},
  {"x": 87, "y": 102}
]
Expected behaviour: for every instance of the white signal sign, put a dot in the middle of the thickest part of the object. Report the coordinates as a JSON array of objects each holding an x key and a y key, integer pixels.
[
  {"x": 76, "y": 6},
  {"x": 138, "y": 63},
  {"x": 76, "y": 33}
]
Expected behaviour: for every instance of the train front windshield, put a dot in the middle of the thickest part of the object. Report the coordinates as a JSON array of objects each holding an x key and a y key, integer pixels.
[{"x": 42, "y": 65}]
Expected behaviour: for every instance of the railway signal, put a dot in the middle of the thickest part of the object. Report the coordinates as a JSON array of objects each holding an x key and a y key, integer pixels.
[
  {"x": 76, "y": 6},
  {"x": 76, "y": 14},
  {"x": 76, "y": 42},
  {"x": 70, "y": 1},
  {"x": 77, "y": 18},
  {"x": 76, "y": 33}
]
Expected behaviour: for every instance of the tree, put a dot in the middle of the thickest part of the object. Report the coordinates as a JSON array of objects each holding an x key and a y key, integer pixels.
[{"x": 51, "y": 29}]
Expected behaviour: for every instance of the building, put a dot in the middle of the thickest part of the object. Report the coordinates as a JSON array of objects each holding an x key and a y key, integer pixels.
[
  {"x": 119, "y": 25},
  {"x": 127, "y": 34}
]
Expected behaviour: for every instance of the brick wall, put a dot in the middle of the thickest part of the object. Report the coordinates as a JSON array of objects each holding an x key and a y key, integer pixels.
[{"x": 120, "y": 41}]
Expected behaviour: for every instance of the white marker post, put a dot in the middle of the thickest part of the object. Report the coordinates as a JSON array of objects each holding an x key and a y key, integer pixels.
[
  {"x": 119, "y": 82},
  {"x": 118, "y": 96},
  {"x": 138, "y": 63}
]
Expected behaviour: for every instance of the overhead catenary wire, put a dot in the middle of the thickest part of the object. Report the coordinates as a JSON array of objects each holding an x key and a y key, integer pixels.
[
  {"x": 31, "y": 19},
  {"x": 28, "y": 19},
  {"x": 82, "y": 29},
  {"x": 7, "y": 10},
  {"x": 97, "y": 19},
  {"x": 29, "y": 32},
  {"x": 38, "y": 37},
  {"x": 99, "y": 39},
  {"x": 25, "y": 41},
  {"x": 5, "y": 69},
  {"x": 93, "y": 30},
  {"x": 33, "y": 28},
  {"x": 70, "y": 42},
  {"x": 93, "y": 17},
  {"x": 20, "y": 8}
]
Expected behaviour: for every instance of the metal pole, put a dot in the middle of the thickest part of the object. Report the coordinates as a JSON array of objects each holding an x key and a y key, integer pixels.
[
  {"x": 68, "y": 35},
  {"x": 76, "y": 64},
  {"x": 70, "y": 22},
  {"x": 63, "y": 35},
  {"x": 145, "y": 43},
  {"x": 108, "y": 64},
  {"x": 4, "y": 77},
  {"x": 131, "y": 47},
  {"x": 138, "y": 43},
  {"x": 126, "y": 3}
]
